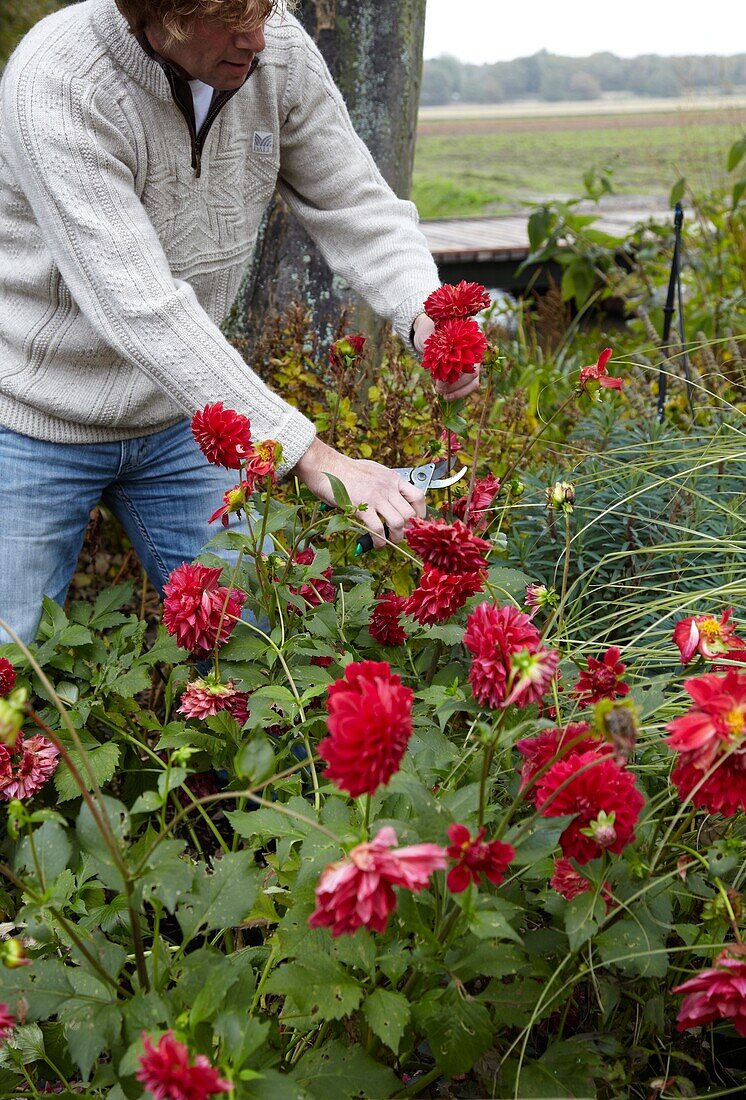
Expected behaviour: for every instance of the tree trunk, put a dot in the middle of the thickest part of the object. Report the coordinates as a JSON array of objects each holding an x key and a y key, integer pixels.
[{"x": 374, "y": 51}]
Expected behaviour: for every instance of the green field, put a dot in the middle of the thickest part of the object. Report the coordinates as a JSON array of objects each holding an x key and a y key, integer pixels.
[{"x": 488, "y": 165}]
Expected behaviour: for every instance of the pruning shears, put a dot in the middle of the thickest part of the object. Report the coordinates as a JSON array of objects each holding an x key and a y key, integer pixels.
[{"x": 433, "y": 475}]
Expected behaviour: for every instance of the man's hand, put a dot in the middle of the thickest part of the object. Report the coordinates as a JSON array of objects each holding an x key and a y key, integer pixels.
[
  {"x": 391, "y": 500},
  {"x": 463, "y": 386}
]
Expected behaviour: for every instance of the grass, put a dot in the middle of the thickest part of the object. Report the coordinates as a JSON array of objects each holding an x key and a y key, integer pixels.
[{"x": 490, "y": 165}]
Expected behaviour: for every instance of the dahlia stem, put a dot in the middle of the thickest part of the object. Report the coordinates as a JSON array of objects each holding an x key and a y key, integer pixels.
[
  {"x": 729, "y": 908},
  {"x": 223, "y": 611},
  {"x": 477, "y": 442},
  {"x": 366, "y": 817},
  {"x": 489, "y": 753}
]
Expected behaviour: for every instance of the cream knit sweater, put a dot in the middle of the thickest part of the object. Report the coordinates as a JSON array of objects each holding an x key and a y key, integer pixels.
[{"x": 118, "y": 262}]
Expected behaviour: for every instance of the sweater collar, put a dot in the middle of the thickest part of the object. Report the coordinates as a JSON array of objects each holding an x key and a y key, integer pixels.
[{"x": 113, "y": 30}]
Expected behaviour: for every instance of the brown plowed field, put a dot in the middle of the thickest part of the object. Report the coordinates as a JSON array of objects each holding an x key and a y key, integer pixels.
[{"x": 627, "y": 121}]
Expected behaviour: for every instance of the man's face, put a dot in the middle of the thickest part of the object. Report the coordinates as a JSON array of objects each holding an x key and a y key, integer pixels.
[{"x": 218, "y": 55}]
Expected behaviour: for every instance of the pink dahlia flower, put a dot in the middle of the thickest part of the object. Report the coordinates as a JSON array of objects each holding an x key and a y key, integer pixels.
[
  {"x": 202, "y": 698},
  {"x": 357, "y": 891},
  {"x": 708, "y": 636},
  {"x": 193, "y": 607},
  {"x": 27, "y": 768},
  {"x": 718, "y": 993}
]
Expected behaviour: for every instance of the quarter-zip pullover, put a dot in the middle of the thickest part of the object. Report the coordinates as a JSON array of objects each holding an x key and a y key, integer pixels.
[{"x": 124, "y": 233}]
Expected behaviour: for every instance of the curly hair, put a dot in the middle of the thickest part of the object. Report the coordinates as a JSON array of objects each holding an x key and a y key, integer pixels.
[{"x": 176, "y": 16}]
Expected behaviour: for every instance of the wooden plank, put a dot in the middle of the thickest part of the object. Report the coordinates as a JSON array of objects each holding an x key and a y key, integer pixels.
[{"x": 482, "y": 240}]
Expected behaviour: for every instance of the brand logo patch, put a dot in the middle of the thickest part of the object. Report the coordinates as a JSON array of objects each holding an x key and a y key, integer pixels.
[{"x": 263, "y": 142}]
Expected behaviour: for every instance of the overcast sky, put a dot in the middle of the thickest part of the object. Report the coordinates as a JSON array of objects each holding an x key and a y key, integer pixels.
[{"x": 492, "y": 30}]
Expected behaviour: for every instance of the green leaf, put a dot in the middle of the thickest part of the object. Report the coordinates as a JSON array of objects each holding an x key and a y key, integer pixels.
[
  {"x": 738, "y": 191},
  {"x": 90, "y": 1028},
  {"x": 53, "y": 848},
  {"x": 582, "y": 915},
  {"x": 222, "y": 898},
  {"x": 168, "y": 877},
  {"x": 320, "y": 989},
  {"x": 677, "y": 192},
  {"x": 540, "y": 839},
  {"x": 458, "y": 1029},
  {"x": 105, "y": 609},
  {"x": 567, "y": 1068},
  {"x": 91, "y": 839},
  {"x": 635, "y": 947},
  {"x": 130, "y": 683},
  {"x": 103, "y": 761},
  {"x": 214, "y": 991},
  {"x": 736, "y": 153},
  {"x": 28, "y": 1040},
  {"x": 255, "y": 761},
  {"x": 511, "y": 582},
  {"x": 343, "y": 1073},
  {"x": 341, "y": 496},
  {"x": 539, "y": 224},
  {"x": 387, "y": 1014}
]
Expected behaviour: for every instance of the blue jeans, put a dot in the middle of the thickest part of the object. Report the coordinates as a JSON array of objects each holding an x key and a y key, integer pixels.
[{"x": 160, "y": 488}]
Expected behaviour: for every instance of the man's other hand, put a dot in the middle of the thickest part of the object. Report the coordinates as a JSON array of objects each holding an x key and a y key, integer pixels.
[
  {"x": 463, "y": 386},
  {"x": 390, "y": 500}
]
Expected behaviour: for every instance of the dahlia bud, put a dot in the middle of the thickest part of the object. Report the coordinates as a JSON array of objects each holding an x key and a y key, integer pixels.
[
  {"x": 602, "y": 830},
  {"x": 13, "y": 954},
  {"x": 561, "y": 495},
  {"x": 539, "y": 597},
  {"x": 12, "y": 711},
  {"x": 516, "y": 488},
  {"x": 344, "y": 352}
]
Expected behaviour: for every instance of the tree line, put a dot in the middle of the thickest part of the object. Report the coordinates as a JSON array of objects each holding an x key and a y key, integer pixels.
[{"x": 550, "y": 77}]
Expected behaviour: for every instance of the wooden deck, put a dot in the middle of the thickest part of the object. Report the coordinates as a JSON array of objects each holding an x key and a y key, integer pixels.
[
  {"x": 490, "y": 250},
  {"x": 490, "y": 240}
]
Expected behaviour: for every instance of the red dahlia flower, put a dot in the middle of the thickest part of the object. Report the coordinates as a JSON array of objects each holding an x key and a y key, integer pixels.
[
  {"x": 473, "y": 857},
  {"x": 450, "y": 547},
  {"x": 715, "y": 994},
  {"x": 440, "y": 595},
  {"x": 711, "y": 735},
  {"x": 509, "y": 664},
  {"x": 705, "y": 635},
  {"x": 7, "y": 1021},
  {"x": 602, "y": 679},
  {"x": 462, "y": 300},
  {"x": 456, "y": 347},
  {"x": 598, "y": 373},
  {"x": 7, "y": 676},
  {"x": 477, "y": 515},
  {"x": 539, "y": 750},
  {"x": 570, "y": 883},
  {"x": 385, "y": 625},
  {"x": 165, "y": 1070},
  {"x": 203, "y": 698},
  {"x": 369, "y": 723},
  {"x": 602, "y": 796},
  {"x": 26, "y": 769},
  {"x": 223, "y": 435},
  {"x": 320, "y": 589},
  {"x": 358, "y": 891},
  {"x": 193, "y": 606}
]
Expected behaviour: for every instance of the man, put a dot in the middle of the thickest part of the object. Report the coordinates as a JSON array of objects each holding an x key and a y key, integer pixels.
[{"x": 139, "y": 146}]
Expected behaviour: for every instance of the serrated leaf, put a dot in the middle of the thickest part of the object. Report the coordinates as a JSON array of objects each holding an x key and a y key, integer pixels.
[
  {"x": 510, "y": 582},
  {"x": 320, "y": 989},
  {"x": 28, "y": 1039},
  {"x": 103, "y": 761},
  {"x": 388, "y": 1014},
  {"x": 221, "y": 898},
  {"x": 567, "y": 1068},
  {"x": 130, "y": 683},
  {"x": 108, "y": 602},
  {"x": 539, "y": 840},
  {"x": 90, "y": 1028},
  {"x": 342, "y": 1072},
  {"x": 458, "y": 1029}
]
